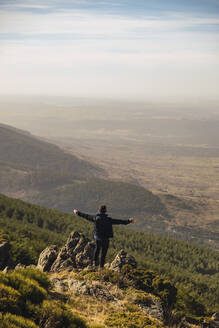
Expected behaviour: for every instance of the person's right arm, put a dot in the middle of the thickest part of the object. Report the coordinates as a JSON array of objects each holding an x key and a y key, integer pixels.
[{"x": 84, "y": 215}]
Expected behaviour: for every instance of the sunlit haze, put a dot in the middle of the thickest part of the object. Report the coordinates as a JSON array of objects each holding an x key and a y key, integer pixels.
[{"x": 116, "y": 49}]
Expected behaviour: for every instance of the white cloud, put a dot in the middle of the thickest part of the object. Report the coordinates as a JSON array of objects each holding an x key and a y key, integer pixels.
[
  {"x": 108, "y": 55},
  {"x": 30, "y": 6},
  {"x": 94, "y": 24}
]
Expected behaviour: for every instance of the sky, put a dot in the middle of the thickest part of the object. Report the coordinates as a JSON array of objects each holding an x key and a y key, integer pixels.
[{"x": 141, "y": 50}]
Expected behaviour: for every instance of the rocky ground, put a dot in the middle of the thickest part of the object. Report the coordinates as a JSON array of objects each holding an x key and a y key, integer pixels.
[
  {"x": 120, "y": 295},
  {"x": 102, "y": 296}
]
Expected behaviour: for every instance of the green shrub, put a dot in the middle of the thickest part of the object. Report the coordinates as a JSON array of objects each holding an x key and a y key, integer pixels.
[
  {"x": 54, "y": 314},
  {"x": 10, "y": 299},
  {"x": 88, "y": 274},
  {"x": 3, "y": 278},
  {"x": 165, "y": 291},
  {"x": 111, "y": 276},
  {"x": 143, "y": 298},
  {"x": 14, "y": 321},
  {"x": 37, "y": 275},
  {"x": 129, "y": 320},
  {"x": 139, "y": 278},
  {"x": 149, "y": 282},
  {"x": 29, "y": 289}
]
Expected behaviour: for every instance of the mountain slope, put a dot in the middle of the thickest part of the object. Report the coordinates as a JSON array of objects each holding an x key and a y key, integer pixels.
[
  {"x": 193, "y": 269},
  {"x": 23, "y": 150}
]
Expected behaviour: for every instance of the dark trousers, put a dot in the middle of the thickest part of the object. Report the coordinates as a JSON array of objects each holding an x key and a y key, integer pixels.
[{"x": 101, "y": 245}]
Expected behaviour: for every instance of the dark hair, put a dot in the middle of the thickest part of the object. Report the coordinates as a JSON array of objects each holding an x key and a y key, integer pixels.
[{"x": 102, "y": 209}]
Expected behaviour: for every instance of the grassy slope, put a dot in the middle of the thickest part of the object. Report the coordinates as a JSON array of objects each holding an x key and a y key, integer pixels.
[{"x": 31, "y": 228}]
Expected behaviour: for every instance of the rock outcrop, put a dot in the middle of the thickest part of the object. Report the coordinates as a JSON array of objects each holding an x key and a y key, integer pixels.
[
  {"x": 5, "y": 258},
  {"x": 92, "y": 289},
  {"x": 47, "y": 257},
  {"x": 77, "y": 253},
  {"x": 121, "y": 259}
]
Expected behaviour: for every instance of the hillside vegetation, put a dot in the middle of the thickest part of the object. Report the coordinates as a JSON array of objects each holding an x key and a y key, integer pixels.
[
  {"x": 28, "y": 299},
  {"x": 25, "y": 302},
  {"x": 193, "y": 269},
  {"x": 124, "y": 198}
]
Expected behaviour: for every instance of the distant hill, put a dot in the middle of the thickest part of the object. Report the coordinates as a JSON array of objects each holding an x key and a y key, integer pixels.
[
  {"x": 32, "y": 169},
  {"x": 193, "y": 269},
  {"x": 21, "y": 149},
  {"x": 124, "y": 199},
  {"x": 28, "y": 163}
]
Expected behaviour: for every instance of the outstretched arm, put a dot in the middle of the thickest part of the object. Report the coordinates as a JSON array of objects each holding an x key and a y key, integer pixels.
[
  {"x": 83, "y": 215},
  {"x": 116, "y": 221}
]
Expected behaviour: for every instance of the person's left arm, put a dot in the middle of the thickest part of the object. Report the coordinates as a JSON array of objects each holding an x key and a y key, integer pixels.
[{"x": 124, "y": 222}]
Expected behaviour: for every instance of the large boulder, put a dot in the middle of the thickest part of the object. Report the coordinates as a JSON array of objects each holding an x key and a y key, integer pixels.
[
  {"x": 5, "y": 257},
  {"x": 47, "y": 257},
  {"x": 121, "y": 259},
  {"x": 77, "y": 253}
]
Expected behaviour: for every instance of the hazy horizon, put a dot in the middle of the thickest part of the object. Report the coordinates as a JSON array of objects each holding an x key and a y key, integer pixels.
[{"x": 116, "y": 50}]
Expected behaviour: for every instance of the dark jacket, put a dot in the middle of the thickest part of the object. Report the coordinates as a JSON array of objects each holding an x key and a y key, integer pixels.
[{"x": 102, "y": 224}]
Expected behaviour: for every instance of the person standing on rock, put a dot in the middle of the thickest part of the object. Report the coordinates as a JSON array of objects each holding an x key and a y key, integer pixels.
[{"x": 103, "y": 231}]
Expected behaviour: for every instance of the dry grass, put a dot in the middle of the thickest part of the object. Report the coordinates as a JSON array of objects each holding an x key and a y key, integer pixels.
[
  {"x": 62, "y": 275},
  {"x": 94, "y": 311}
]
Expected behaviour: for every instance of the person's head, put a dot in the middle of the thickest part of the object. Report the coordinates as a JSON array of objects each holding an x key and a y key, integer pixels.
[{"x": 103, "y": 209}]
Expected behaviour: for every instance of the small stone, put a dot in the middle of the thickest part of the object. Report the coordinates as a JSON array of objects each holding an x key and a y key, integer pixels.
[
  {"x": 6, "y": 269},
  {"x": 215, "y": 316}
]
